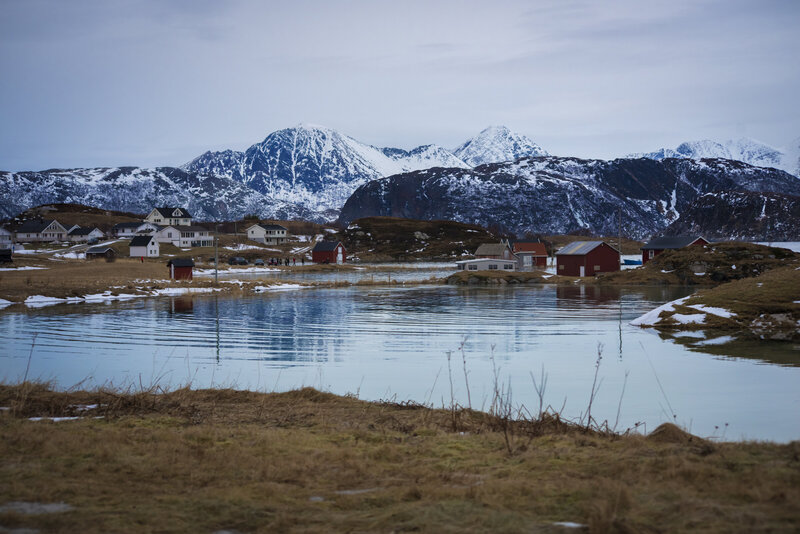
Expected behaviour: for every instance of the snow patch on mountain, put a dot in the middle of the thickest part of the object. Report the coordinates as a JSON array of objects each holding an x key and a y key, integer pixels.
[
  {"x": 744, "y": 149},
  {"x": 495, "y": 144}
]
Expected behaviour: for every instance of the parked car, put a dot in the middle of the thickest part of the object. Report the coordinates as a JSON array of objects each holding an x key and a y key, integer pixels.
[
  {"x": 237, "y": 260},
  {"x": 259, "y": 262}
]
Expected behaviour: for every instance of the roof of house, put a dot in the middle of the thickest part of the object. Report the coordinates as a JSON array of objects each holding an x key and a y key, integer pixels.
[
  {"x": 491, "y": 249},
  {"x": 184, "y": 228},
  {"x": 98, "y": 250},
  {"x": 530, "y": 246},
  {"x": 140, "y": 241},
  {"x": 168, "y": 213},
  {"x": 326, "y": 246},
  {"x": 4, "y": 230},
  {"x": 480, "y": 260},
  {"x": 81, "y": 231},
  {"x": 120, "y": 226},
  {"x": 34, "y": 227},
  {"x": 661, "y": 243},
  {"x": 271, "y": 226},
  {"x": 579, "y": 248},
  {"x": 181, "y": 262}
]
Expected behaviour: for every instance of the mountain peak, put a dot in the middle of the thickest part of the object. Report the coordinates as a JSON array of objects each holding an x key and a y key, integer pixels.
[{"x": 495, "y": 144}]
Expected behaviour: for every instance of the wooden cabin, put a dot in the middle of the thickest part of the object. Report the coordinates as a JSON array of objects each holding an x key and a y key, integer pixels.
[
  {"x": 587, "y": 258},
  {"x": 658, "y": 245},
  {"x": 180, "y": 268},
  {"x": 101, "y": 251},
  {"x": 329, "y": 252}
]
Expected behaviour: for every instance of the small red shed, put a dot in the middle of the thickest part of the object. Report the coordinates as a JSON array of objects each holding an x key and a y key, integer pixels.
[
  {"x": 329, "y": 252},
  {"x": 531, "y": 253},
  {"x": 660, "y": 244},
  {"x": 180, "y": 268},
  {"x": 587, "y": 258}
]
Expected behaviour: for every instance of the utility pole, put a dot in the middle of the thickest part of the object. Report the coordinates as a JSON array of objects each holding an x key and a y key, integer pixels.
[
  {"x": 216, "y": 254},
  {"x": 619, "y": 239}
]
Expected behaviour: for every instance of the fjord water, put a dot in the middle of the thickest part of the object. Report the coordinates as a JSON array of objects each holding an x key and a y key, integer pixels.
[{"x": 393, "y": 343}]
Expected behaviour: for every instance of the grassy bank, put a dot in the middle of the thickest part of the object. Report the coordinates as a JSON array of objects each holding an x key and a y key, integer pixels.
[
  {"x": 305, "y": 461},
  {"x": 766, "y": 306}
]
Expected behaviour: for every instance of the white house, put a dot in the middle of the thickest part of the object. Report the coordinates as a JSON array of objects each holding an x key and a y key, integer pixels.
[
  {"x": 47, "y": 230},
  {"x": 169, "y": 217},
  {"x": 185, "y": 236},
  {"x": 6, "y": 237},
  {"x": 84, "y": 235},
  {"x": 144, "y": 246},
  {"x": 268, "y": 234},
  {"x": 487, "y": 264}
]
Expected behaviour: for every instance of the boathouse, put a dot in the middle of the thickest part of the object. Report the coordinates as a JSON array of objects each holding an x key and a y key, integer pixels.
[
  {"x": 329, "y": 252},
  {"x": 587, "y": 258},
  {"x": 658, "y": 245},
  {"x": 487, "y": 264},
  {"x": 180, "y": 268}
]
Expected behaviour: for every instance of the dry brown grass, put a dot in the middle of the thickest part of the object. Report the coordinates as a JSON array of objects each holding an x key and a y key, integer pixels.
[{"x": 201, "y": 461}]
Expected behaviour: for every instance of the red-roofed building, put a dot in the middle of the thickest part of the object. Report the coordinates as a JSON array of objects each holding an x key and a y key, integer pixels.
[{"x": 531, "y": 254}]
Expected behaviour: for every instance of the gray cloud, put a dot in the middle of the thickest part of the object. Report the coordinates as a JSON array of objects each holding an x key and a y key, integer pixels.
[{"x": 146, "y": 82}]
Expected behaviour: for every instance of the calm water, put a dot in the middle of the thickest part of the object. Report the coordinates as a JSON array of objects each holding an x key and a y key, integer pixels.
[{"x": 393, "y": 342}]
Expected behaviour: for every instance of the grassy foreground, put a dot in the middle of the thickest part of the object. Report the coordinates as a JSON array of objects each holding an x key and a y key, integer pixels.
[{"x": 305, "y": 461}]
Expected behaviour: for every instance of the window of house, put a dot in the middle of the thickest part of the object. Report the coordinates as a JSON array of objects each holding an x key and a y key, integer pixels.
[
  {"x": 473, "y": 267},
  {"x": 492, "y": 266},
  {"x": 596, "y": 267},
  {"x": 560, "y": 267},
  {"x": 508, "y": 266},
  {"x": 651, "y": 254}
]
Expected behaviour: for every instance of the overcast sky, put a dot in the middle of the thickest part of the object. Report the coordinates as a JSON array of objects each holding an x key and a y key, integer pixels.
[{"x": 146, "y": 83}]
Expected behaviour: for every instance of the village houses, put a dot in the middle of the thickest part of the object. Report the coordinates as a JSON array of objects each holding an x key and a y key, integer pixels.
[{"x": 84, "y": 235}]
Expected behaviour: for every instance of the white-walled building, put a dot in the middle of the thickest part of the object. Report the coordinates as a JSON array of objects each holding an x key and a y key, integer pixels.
[
  {"x": 144, "y": 246},
  {"x": 185, "y": 236},
  {"x": 169, "y": 217},
  {"x": 48, "y": 230},
  {"x": 268, "y": 234},
  {"x": 84, "y": 235},
  {"x": 487, "y": 264},
  {"x": 6, "y": 237}
]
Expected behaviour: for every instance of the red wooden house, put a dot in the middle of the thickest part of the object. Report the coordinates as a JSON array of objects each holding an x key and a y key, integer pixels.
[
  {"x": 587, "y": 258},
  {"x": 531, "y": 254},
  {"x": 180, "y": 268},
  {"x": 329, "y": 252},
  {"x": 660, "y": 244}
]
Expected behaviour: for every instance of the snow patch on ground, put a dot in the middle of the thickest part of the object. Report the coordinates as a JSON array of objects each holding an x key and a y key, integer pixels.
[
  {"x": 26, "y": 268},
  {"x": 694, "y": 318},
  {"x": 173, "y": 291},
  {"x": 243, "y": 246},
  {"x": 719, "y": 312},
  {"x": 278, "y": 287},
  {"x": 651, "y": 318}
]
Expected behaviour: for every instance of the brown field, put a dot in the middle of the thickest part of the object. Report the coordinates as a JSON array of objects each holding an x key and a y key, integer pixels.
[{"x": 305, "y": 461}]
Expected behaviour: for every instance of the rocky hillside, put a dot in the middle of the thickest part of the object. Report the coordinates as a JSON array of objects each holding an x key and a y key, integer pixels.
[
  {"x": 137, "y": 190},
  {"x": 743, "y": 216},
  {"x": 395, "y": 239},
  {"x": 552, "y": 195}
]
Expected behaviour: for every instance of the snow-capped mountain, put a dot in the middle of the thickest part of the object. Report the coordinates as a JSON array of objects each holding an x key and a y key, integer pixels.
[
  {"x": 495, "y": 144},
  {"x": 315, "y": 166},
  {"x": 554, "y": 195},
  {"x": 138, "y": 190},
  {"x": 744, "y": 149}
]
